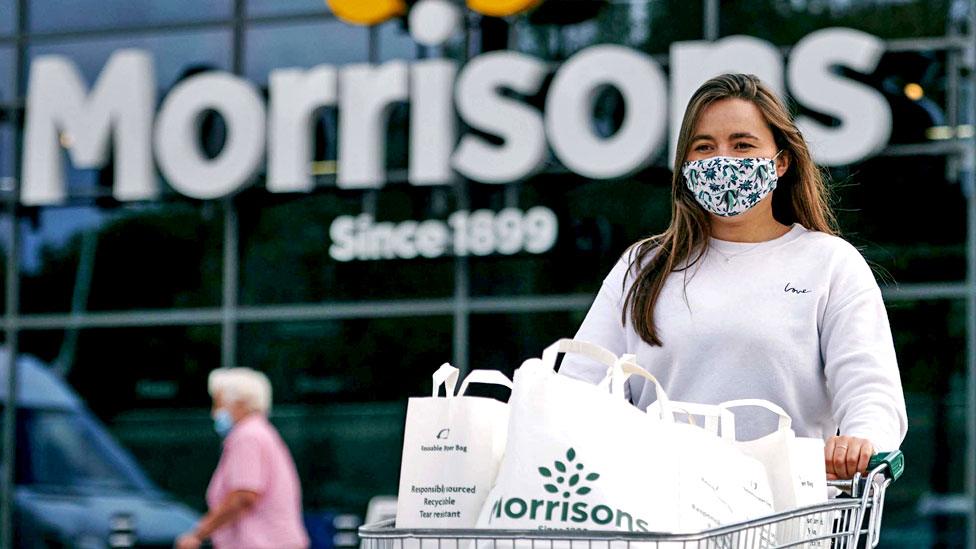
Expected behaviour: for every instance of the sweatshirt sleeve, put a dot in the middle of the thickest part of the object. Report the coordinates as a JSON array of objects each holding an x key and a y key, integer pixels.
[
  {"x": 859, "y": 357},
  {"x": 602, "y": 326}
]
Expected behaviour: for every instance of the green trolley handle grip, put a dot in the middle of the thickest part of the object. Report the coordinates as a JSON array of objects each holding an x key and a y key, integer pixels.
[{"x": 894, "y": 460}]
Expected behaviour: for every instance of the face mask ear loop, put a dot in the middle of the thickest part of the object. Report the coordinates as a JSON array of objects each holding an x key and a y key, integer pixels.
[{"x": 775, "y": 156}]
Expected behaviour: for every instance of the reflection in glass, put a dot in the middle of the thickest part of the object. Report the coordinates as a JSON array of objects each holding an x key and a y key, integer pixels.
[
  {"x": 174, "y": 53},
  {"x": 257, "y": 8},
  {"x": 526, "y": 335},
  {"x": 65, "y": 449},
  {"x": 8, "y": 16},
  {"x": 556, "y": 33},
  {"x": 597, "y": 220},
  {"x": 910, "y": 236},
  {"x": 148, "y": 256},
  {"x": 311, "y": 362},
  {"x": 63, "y": 15},
  {"x": 340, "y": 393},
  {"x": 915, "y": 85},
  {"x": 7, "y": 153},
  {"x": 285, "y": 245},
  {"x": 141, "y": 381},
  {"x": 7, "y": 92},
  {"x": 930, "y": 338},
  {"x": 784, "y": 22},
  {"x": 274, "y": 46},
  {"x": 395, "y": 42}
]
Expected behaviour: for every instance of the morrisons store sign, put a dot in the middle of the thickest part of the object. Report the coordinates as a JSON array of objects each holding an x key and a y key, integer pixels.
[{"x": 119, "y": 112}]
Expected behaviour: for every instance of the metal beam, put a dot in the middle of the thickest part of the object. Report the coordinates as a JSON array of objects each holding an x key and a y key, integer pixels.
[
  {"x": 11, "y": 311},
  {"x": 969, "y": 183}
]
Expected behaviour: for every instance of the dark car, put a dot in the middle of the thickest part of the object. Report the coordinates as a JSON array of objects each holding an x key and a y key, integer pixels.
[{"x": 75, "y": 485}]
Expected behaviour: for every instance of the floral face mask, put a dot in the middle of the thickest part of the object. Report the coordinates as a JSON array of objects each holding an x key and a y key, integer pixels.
[{"x": 729, "y": 186}]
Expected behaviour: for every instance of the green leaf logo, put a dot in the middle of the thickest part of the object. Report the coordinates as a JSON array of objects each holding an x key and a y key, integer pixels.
[{"x": 567, "y": 481}]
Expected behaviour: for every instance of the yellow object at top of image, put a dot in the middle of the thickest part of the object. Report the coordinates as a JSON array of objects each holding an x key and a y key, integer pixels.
[{"x": 374, "y": 12}]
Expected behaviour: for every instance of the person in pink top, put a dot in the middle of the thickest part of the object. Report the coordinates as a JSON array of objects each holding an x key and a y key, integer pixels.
[{"x": 254, "y": 497}]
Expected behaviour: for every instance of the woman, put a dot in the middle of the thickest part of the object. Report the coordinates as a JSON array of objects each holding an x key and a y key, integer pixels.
[
  {"x": 749, "y": 293},
  {"x": 254, "y": 496}
]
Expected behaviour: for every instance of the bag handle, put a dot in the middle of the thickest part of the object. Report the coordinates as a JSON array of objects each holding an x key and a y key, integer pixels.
[
  {"x": 578, "y": 347},
  {"x": 715, "y": 416},
  {"x": 785, "y": 421},
  {"x": 488, "y": 377},
  {"x": 447, "y": 376},
  {"x": 625, "y": 367}
]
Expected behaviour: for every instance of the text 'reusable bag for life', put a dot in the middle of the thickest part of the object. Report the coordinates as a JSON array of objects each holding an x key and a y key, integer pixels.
[
  {"x": 452, "y": 448},
  {"x": 580, "y": 456}
]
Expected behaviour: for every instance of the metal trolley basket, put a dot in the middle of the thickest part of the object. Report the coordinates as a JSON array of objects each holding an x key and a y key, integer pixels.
[{"x": 851, "y": 522}]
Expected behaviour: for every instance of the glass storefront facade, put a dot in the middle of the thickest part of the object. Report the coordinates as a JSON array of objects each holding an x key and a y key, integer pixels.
[{"x": 135, "y": 302}]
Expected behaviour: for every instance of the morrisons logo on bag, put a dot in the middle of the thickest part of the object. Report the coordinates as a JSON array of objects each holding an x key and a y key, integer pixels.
[{"x": 565, "y": 481}]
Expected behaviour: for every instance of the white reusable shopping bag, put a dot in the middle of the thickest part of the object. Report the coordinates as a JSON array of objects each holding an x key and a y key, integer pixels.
[
  {"x": 581, "y": 457},
  {"x": 796, "y": 471},
  {"x": 452, "y": 447},
  {"x": 740, "y": 479}
]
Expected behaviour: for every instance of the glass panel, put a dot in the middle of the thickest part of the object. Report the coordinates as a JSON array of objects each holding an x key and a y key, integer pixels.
[
  {"x": 302, "y": 45},
  {"x": 526, "y": 335},
  {"x": 930, "y": 338},
  {"x": 64, "y": 15},
  {"x": 322, "y": 362},
  {"x": 915, "y": 85},
  {"x": 6, "y": 227},
  {"x": 340, "y": 390},
  {"x": 257, "y": 8},
  {"x": 7, "y": 153},
  {"x": 7, "y": 92},
  {"x": 597, "y": 221},
  {"x": 907, "y": 215},
  {"x": 787, "y": 21},
  {"x": 175, "y": 53},
  {"x": 395, "y": 42},
  {"x": 139, "y": 381},
  {"x": 286, "y": 242},
  {"x": 8, "y": 16},
  {"x": 61, "y": 448},
  {"x": 553, "y": 32},
  {"x": 133, "y": 257}
]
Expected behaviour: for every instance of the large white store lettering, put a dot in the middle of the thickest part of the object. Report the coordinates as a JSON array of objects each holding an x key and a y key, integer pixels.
[{"x": 118, "y": 111}]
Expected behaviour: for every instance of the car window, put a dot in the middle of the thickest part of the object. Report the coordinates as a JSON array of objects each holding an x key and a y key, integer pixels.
[{"x": 65, "y": 448}]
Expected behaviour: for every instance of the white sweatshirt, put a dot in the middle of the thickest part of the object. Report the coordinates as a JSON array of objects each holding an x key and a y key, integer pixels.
[{"x": 797, "y": 320}]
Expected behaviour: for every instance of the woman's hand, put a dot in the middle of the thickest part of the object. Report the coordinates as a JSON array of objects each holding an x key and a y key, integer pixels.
[
  {"x": 845, "y": 456},
  {"x": 188, "y": 540}
]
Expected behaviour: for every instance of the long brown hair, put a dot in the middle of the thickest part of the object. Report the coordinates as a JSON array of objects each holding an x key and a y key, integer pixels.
[{"x": 801, "y": 196}]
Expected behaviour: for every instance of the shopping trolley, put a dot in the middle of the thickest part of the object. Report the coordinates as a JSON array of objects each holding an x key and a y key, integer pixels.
[{"x": 851, "y": 520}]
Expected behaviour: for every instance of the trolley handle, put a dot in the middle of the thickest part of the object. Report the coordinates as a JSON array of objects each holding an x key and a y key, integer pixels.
[{"x": 889, "y": 464}]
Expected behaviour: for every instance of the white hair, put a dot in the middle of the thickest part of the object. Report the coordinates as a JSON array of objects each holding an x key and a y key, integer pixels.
[{"x": 245, "y": 385}]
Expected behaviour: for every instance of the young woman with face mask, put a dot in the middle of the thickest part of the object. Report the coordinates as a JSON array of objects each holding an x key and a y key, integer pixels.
[{"x": 750, "y": 293}]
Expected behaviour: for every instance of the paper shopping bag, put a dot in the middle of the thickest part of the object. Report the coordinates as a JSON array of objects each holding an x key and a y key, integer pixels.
[
  {"x": 796, "y": 471},
  {"x": 740, "y": 479},
  {"x": 452, "y": 447},
  {"x": 581, "y": 457}
]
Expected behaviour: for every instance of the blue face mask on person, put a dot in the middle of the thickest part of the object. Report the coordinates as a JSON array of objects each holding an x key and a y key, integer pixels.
[{"x": 223, "y": 422}]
